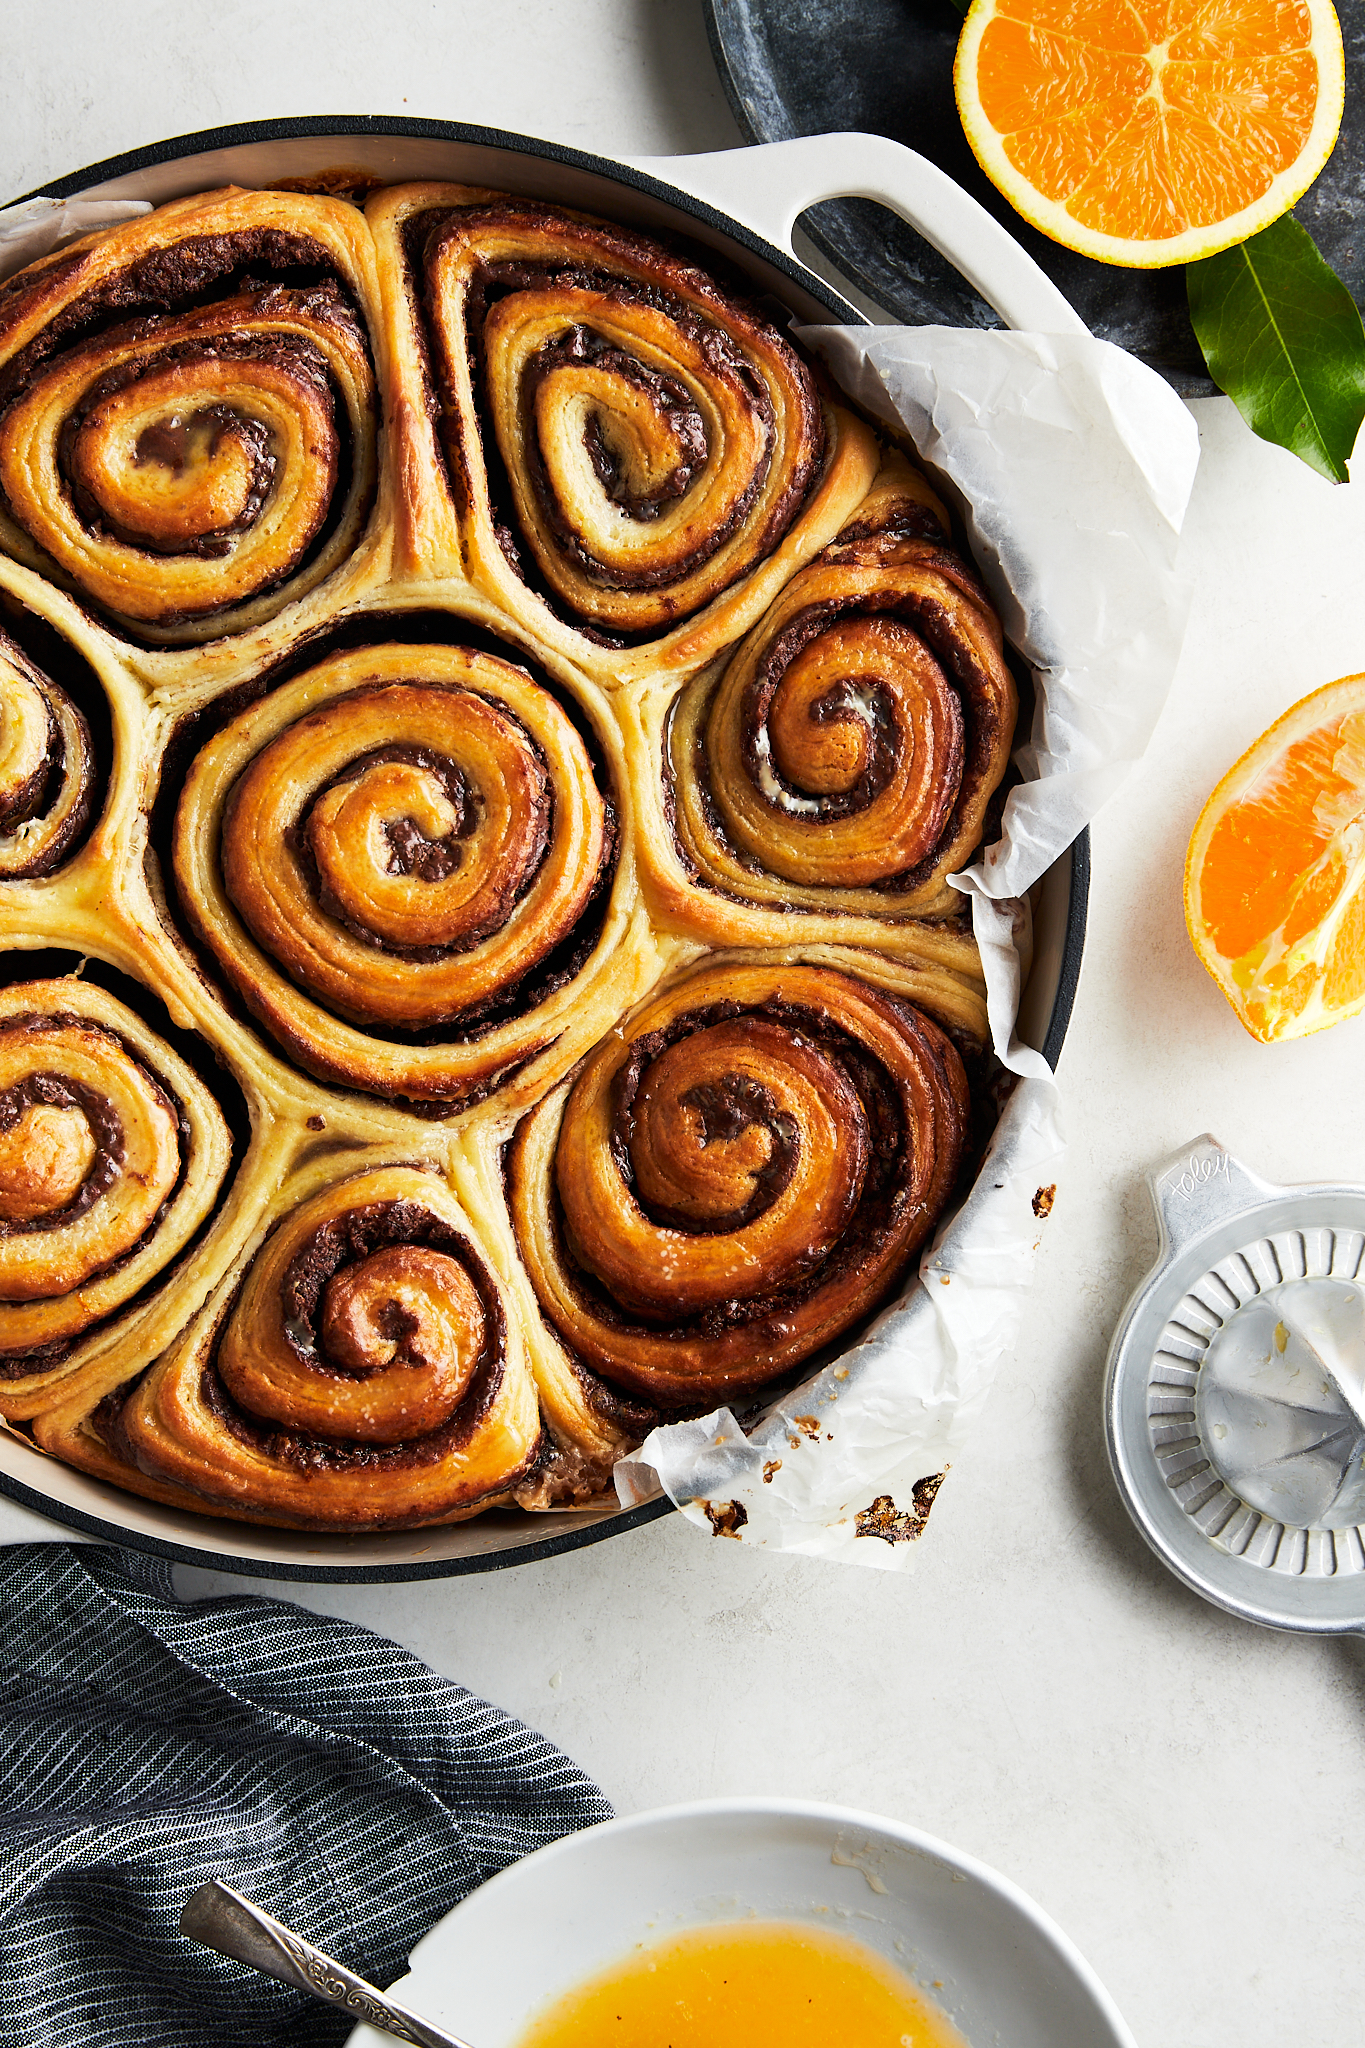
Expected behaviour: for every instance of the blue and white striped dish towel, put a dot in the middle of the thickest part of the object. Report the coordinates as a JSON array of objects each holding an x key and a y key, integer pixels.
[{"x": 148, "y": 1744}]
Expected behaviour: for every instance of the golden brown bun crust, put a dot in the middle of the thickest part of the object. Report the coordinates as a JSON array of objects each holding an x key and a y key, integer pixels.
[
  {"x": 188, "y": 413},
  {"x": 737, "y": 1176}
]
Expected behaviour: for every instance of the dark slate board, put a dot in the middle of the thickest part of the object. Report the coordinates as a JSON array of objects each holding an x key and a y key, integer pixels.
[{"x": 886, "y": 66}]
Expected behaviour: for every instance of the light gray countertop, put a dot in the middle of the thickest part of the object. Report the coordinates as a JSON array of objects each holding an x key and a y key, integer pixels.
[{"x": 1181, "y": 1791}]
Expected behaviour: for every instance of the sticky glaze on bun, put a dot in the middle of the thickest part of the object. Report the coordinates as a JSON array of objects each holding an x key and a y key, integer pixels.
[
  {"x": 46, "y": 768},
  {"x": 737, "y": 1176},
  {"x": 112, "y": 1154},
  {"x": 361, "y": 1373},
  {"x": 187, "y": 412},
  {"x": 402, "y": 861},
  {"x": 599, "y": 423}
]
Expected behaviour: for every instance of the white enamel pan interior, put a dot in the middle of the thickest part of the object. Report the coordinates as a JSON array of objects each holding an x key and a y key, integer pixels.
[{"x": 743, "y": 203}]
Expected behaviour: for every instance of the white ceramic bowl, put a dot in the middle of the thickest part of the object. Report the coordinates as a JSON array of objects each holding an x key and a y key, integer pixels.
[{"x": 1003, "y": 1972}]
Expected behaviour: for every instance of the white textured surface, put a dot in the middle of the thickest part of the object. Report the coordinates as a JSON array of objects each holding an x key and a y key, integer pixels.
[{"x": 1185, "y": 1794}]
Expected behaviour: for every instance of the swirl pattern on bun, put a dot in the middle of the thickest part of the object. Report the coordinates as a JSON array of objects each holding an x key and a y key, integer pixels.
[
  {"x": 46, "y": 769},
  {"x": 843, "y": 762},
  {"x": 739, "y": 1174},
  {"x": 112, "y": 1154},
  {"x": 405, "y": 840},
  {"x": 362, "y": 1374},
  {"x": 187, "y": 413},
  {"x": 647, "y": 442}
]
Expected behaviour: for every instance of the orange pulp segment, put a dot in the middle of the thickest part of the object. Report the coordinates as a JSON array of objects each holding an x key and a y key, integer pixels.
[
  {"x": 1148, "y": 132},
  {"x": 1275, "y": 877}
]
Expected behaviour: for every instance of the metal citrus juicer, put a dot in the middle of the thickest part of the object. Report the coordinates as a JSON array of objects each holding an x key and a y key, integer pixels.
[{"x": 1235, "y": 1393}]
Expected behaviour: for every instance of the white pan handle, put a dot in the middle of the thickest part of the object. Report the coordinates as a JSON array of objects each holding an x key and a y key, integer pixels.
[{"x": 769, "y": 186}]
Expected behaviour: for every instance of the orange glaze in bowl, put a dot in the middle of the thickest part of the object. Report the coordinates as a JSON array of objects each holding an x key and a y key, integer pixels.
[{"x": 747, "y": 1985}]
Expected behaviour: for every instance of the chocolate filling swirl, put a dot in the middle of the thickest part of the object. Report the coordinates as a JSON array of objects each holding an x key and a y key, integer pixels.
[
  {"x": 738, "y": 1177},
  {"x": 111, "y": 1154},
  {"x": 407, "y": 847},
  {"x": 647, "y": 437},
  {"x": 192, "y": 465},
  {"x": 365, "y": 1374},
  {"x": 46, "y": 769},
  {"x": 845, "y": 759}
]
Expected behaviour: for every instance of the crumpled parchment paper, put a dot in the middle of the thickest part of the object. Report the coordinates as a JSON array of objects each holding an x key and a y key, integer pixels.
[
  {"x": 35, "y": 227},
  {"x": 1071, "y": 466}
]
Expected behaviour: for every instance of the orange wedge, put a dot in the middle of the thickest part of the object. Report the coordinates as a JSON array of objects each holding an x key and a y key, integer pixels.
[
  {"x": 1275, "y": 876},
  {"x": 1147, "y": 132}
]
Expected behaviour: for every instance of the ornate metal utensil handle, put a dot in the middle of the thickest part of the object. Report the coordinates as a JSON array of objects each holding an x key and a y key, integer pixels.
[{"x": 222, "y": 1919}]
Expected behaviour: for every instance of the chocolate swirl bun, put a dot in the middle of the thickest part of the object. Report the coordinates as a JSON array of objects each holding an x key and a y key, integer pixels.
[
  {"x": 646, "y": 440},
  {"x": 738, "y": 1174},
  {"x": 187, "y": 430},
  {"x": 844, "y": 760},
  {"x": 112, "y": 1153},
  {"x": 46, "y": 771},
  {"x": 404, "y": 840},
  {"x": 537, "y": 723},
  {"x": 362, "y": 1375}
]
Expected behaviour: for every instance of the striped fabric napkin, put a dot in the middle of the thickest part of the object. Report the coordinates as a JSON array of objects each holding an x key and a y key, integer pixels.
[{"x": 147, "y": 1744}]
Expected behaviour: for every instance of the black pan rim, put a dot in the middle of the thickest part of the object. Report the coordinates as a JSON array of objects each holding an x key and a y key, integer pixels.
[
  {"x": 285, "y": 128},
  {"x": 291, "y": 127},
  {"x": 208, "y": 1560}
]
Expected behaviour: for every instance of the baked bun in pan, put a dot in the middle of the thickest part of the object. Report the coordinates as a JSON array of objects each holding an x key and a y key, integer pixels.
[{"x": 485, "y": 731}]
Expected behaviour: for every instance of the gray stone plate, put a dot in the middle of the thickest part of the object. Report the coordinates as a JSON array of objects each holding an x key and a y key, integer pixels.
[{"x": 886, "y": 67}]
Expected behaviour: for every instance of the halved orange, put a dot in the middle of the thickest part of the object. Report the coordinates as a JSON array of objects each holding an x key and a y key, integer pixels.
[
  {"x": 1147, "y": 132},
  {"x": 1275, "y": 877}
]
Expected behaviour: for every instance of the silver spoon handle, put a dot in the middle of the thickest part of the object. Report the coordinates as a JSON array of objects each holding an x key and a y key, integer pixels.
[{"x": 222, "y": 1919}]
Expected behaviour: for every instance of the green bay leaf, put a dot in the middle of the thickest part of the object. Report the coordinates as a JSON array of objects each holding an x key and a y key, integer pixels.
[{"x": 1283, "y": 337}]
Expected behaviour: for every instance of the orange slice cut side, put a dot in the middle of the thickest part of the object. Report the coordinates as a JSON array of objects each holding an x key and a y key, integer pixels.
[
  {"x": 1275, "y": 877},
  {"x": 1148, "y": 132}
]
